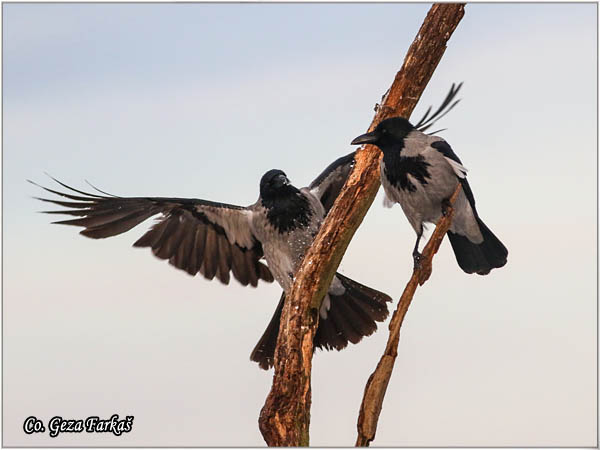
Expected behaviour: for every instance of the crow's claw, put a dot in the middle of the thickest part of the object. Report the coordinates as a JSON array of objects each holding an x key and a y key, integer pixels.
[
  {"x": 446, "y": 207},
  {"x": 417, "y": 260}
]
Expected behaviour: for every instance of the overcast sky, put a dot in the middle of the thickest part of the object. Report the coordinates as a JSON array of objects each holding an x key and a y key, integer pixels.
[{"x": 199, "y": 100}]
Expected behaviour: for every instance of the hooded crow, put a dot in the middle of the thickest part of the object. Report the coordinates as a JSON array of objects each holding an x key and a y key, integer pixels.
[
  {"x": 421, "y": 172},
  {"x": 217, "y": 239}
]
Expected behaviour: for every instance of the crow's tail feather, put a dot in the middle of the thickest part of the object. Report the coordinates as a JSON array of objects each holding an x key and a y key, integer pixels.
[
  {"x": 478, "y": 258},
  {"x": 352, "y": 315},
  {"x": 264, "y": 351}
]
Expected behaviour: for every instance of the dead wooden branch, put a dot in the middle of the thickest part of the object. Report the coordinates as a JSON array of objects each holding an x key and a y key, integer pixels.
[
  {"x": 376, "y": 387},
  {"x": 285, "y": 417}
]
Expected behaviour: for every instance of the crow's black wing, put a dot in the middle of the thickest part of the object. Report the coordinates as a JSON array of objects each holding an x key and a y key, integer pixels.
[
  {"x": 427, "y": 121},
  {"x": 329, "y": 183},
  {"x": 444, "y": 148},
  {"x": 194, "y": 235}
]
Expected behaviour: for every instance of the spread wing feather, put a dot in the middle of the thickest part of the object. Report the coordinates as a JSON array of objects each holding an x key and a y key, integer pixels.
[
  {"x": 447, "y": 105},
  {"x": 198, "y": 236},
  {"x": 329, "y": 183}
]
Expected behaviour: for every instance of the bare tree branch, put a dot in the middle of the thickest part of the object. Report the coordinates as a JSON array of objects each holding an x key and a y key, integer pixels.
[
  {"x": 285, "y": 417},
  {"x": 376, "y": 387}
]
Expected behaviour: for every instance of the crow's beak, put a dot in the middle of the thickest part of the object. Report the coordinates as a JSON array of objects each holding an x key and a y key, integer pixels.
[
  {"x": 367, "y": 138},
  {"x": 282, "y": 180}
]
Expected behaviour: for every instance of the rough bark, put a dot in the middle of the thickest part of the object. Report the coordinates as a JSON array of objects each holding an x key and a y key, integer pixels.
[
  {"x": 376, "y": 387},
  {"x": 285, "y": 417}
]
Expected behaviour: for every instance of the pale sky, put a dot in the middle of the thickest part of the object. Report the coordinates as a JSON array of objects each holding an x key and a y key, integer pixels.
[{"x": 199, "y": 100}]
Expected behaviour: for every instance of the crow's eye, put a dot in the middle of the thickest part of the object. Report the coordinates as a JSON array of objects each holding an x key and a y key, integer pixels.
[{"x": 384, "y": 131}]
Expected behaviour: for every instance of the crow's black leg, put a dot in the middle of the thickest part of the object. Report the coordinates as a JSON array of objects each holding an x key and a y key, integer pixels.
[
  {"x": 446, "y": 206},
  {"x": 416, "y": 254}
]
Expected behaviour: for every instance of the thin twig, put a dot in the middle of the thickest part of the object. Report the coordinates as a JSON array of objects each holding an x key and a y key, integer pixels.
[
  {"x": 376, "y": 387},
  {"x": 285, "y": 417}
]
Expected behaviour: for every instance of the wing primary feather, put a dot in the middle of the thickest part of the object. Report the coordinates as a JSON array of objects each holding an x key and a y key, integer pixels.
[
  {"x": 69, "y": 212},
  {"x": 65, "y": 204},
  {"x": 101, "y": 191},
  {"x": 163, "y": 248},
  {"x": 424, "y": 118},
  {"x": 446, "y": 112},
  {"x": 180, "y": 258},
  {"x": 445, "y": 103},
  {"x": 153, "y": 235},
  {"x": 72, "y": 188},
  {"x": 210, "y": 254},
  {"x": 62, "y": 194},
  {"x": 426, "y": 122},
  {"x": 329, "y": 183},
  {"x": 117, "y": 227},
  {"x": 192, "y": 266},
  {"x": 96, "y": 220},
  {"x": 224, "y": 259},
  {"x": 200, "y": 244},
  {"x": 173, "y": 241}
]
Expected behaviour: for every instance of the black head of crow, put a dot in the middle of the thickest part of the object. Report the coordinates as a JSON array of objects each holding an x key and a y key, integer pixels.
[
  {"x": 421, "y": 172},
  {"x": 219, "y": 240},
  {"x": 388, "y": 135},
  {"x": 287, "y": 208},
  {"x": 272, "y": 182}
]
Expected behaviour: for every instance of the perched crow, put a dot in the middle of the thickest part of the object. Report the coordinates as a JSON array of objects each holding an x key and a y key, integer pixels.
[
  {"x": 421, "y": 172},
  {"x": 217, "y": 239}
]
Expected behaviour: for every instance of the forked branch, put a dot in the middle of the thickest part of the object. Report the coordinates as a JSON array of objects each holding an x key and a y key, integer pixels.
[
  {"x": 374, "y": 394},
  {"x": 285, "y": 417}
]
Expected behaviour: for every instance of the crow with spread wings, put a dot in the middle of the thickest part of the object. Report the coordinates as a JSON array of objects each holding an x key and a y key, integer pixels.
[
  {"x": 217, "y": 240},
  {"x": 220, "y": 240}
]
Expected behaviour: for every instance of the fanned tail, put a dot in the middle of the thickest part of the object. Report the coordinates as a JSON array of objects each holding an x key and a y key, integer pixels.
[
  {"x": 352, "y": 315},
  {"x": 264, "y": 351}
]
